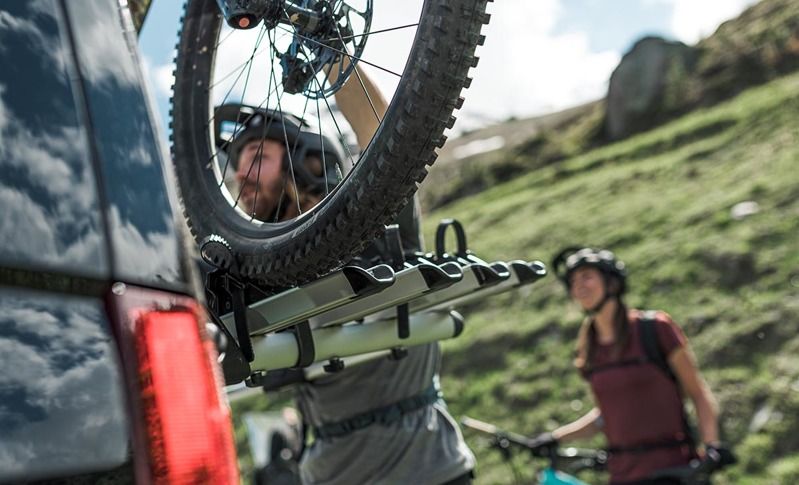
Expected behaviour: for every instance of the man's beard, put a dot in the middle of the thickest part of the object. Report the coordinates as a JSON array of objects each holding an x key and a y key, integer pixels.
[{"x": 257, "y": 203}]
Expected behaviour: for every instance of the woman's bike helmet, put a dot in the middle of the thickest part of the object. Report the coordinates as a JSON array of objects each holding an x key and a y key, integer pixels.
[
  {"x": 573, "y": 257},
  {"x": 235, "y": 125}
]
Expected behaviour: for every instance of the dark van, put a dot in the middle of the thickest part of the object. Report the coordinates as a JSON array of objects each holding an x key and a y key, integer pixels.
[{"x": 107, "y": 373}]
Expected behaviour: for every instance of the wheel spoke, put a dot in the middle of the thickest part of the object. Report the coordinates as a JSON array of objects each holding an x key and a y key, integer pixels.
[
  {"x": 239, "y": 124},
  {"x": 246, "y": 64},
  {"x": 236, "y": 131},
  {"x": 320, "y": 86},
  {"x": 294, "y": 148},
  {"x": 258, "y": 52},
  {"x": 225, "y": 38},
  {"x": 335, "y": 123},
  {"x": 367, "y": 34},
  {"x": 286, "y": 139},
  {"x": 322, "y": 144},
  {"x": 237, "y": 128},
  {"x": 259, "y": 152},
  {"x": 363, "y": 86},
  {"x": 334, "y": 49}
]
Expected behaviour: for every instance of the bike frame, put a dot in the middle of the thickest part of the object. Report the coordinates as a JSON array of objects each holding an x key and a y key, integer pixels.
[{"x": 550, "y": 476}]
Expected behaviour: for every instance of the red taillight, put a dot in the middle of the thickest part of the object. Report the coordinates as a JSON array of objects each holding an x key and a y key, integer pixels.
[{"x": 182, "y": 419}]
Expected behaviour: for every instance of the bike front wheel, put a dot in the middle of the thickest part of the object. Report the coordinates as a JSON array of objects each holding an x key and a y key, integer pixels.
[{"x": 367, "y": 191}]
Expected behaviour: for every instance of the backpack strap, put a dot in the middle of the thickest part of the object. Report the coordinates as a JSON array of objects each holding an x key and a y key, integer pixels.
[
  {"x": 384, "y": 415},
  {"x": 651, "y": 344}
]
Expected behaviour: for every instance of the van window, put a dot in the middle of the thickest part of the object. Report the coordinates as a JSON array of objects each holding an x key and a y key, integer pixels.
[{"x": 49, "y": 207}]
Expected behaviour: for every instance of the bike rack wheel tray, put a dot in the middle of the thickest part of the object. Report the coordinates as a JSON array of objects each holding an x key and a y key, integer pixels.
[
  {"x": 521, "y": 273},
  {"x": 298, "y": 304},
  {"x": 409, "y": 283}
]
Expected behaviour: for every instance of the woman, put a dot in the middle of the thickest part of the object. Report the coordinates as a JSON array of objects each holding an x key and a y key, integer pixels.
[{"x": 639, "y": 404}]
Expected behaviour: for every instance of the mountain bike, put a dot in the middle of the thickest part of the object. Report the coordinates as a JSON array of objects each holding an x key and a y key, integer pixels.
[
  {"x": 563, "y": 463},
  {"x": 292, "y": 57}
]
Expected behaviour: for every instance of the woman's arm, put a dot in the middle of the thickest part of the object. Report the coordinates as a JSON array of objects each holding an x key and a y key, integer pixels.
[
  {"x": 584, "y": 427},
  {"x": 683, "y": 364}
]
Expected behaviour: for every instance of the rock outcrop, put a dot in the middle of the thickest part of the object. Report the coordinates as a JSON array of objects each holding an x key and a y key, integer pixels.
[{"x": 648, "y": 86}]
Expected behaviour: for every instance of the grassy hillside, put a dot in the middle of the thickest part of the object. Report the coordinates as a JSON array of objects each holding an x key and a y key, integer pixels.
[
  {"x": 463, "y": 169},
  {"x": 662, "y": 200},
  {"x": 756, "y": 47}
]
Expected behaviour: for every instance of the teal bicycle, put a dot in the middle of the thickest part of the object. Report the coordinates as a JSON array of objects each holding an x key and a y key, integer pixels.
[{"x": 563, "y": 462}]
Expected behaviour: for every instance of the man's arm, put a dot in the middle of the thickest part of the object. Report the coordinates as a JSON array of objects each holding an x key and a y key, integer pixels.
[{"x": 361, "y": 103}]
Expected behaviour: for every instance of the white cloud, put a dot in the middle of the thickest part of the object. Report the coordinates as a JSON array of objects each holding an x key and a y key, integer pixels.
[
  {"x": 155, "y": 252},
  {"x": 101, "y": 47},
  {"x": 54, "y": 165},
  {"x": 164, "y": 79},
  {"x": 160, "y": 78},
  {"x": 693, "y": 20},
  {"x": 525, "y": 68},
  {"x": 61, "y": 384}
]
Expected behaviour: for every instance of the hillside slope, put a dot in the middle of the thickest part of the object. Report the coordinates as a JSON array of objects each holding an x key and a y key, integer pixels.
[
  {"x": 756, "y": 47},
  {"x": 663, "y": 201}
]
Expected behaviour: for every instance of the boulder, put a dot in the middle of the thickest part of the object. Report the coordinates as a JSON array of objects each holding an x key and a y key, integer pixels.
[{"x": 648, "y": 86}]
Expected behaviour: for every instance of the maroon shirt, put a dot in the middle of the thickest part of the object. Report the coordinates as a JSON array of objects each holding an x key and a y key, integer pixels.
[{"x": 640, "y": 404}]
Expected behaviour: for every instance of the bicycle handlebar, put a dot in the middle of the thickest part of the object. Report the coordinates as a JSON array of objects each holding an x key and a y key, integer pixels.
[
  {"x": 581, "y": 459},
  {"x": 488, "y": 428}
]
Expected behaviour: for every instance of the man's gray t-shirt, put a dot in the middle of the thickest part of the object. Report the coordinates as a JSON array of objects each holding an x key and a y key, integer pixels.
[{"x": 423, "y": 447}]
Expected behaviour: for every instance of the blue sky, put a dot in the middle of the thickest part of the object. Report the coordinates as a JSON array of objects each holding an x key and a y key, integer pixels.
[
  {"x": 540, "y": 56},
  {"x": 607, "y": 28}
]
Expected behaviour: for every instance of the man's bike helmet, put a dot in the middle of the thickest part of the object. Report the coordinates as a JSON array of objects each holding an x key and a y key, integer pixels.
[
  {"x": 236, "y": 125},
  {"x": 572, "y": 258}
]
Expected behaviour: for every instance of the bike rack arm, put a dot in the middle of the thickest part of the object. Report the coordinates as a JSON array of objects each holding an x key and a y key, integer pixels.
[{"x": 281, "y": 350}]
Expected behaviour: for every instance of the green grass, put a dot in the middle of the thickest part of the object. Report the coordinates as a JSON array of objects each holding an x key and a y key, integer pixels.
[{"x": 662, "y": 201}]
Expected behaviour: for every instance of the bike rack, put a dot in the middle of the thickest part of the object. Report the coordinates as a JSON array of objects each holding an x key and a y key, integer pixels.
[
  {"x": 353, "y": 314},
  {"x": 522, "y": 273}
]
